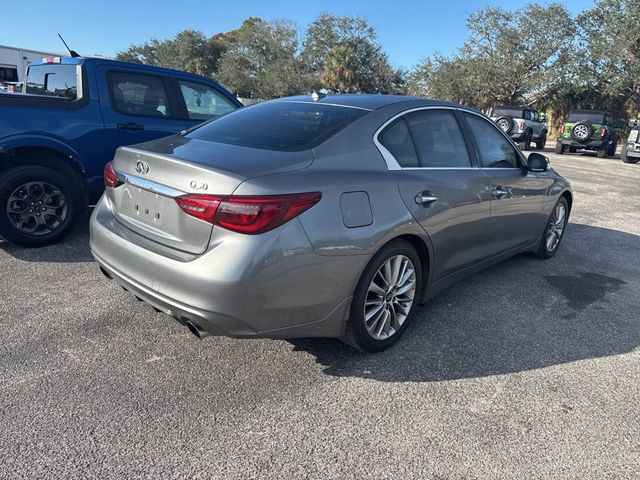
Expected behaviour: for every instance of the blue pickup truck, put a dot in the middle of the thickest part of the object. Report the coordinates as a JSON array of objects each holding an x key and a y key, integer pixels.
[{"x": 57, "y": 136}]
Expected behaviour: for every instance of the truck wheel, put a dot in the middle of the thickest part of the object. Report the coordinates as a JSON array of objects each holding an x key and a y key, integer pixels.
[
  {"x": 38, "y": 206},
  {"x": 526, "y": 143},
  {"x": 626, "y": 158},
  {"x": 611, "y": 152},
  {"x": 505, "y": 123},
  {"x": 541, "y": 142},
  {"x": 601, "y": 153},
  {"x": 559, "y": 148}
]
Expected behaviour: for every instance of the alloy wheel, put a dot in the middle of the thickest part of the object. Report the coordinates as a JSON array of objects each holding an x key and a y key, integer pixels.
[
  {"x": 37, "y": 208},
  {"x": 556, "y": 226},
  {"x": 581, "y": 132},
  {"x": 390, "y": 297}
]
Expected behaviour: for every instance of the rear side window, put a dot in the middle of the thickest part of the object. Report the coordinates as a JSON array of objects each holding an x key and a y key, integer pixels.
[
  {"x": 283, "y": 126},
  {"x": 397, "y": 139},
  {"x": 136, "y": 94},
  {"x": 494, "y": 150},
  {"x": 438, "y": 139},
  {"x": 53, "y": 80},
  {"x": 586, "y": 117},
  {"x": 204, "y": 102}
]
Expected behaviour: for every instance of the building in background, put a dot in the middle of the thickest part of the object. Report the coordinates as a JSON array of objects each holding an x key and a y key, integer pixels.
[{"x": 14, "y": 62}]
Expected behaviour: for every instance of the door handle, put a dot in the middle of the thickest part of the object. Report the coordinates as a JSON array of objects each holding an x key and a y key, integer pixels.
[
  {"x": 130, "y": 126},
  {"x": 499, "y": 192},
  {"x": 426, "y": 199}
]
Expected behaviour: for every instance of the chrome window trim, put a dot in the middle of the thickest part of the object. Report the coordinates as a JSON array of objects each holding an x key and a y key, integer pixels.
[
  {"x": 149, "y": 185},
  {"x": 392, "y": 163}
]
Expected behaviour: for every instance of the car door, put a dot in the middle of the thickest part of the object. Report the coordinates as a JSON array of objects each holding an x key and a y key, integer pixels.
[
  {"x": 517, "y": 195},
  {"x": 440, "y": 185},
  {"x": 202, "y": 102},
  {"x": 139, "y": 107}
]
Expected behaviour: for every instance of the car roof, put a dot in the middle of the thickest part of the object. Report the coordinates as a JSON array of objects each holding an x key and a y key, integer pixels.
[{"x": 367, "y": 101}]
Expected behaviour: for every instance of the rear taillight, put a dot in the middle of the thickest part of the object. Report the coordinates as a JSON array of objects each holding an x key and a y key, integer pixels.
[
  {"x": 110, "y": 179},
  {"x": 561, "y": 129},
  {"x": 250, "y": 215},
  {"x": 521, "y": 125},
  {"x": 603, "y": 131},
  {"x": 200, "y": 206}
]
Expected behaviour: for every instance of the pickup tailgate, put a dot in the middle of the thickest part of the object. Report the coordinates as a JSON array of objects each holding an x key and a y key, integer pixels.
[{"x": 155, "y": 173}]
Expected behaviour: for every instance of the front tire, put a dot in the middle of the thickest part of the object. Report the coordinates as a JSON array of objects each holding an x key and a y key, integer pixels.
[
  {"x": 554, "y": 230},
  {"x": 559, "y": 148},
  {"x": 540, "y": 143},
  {"x": 385, "y": 298},
  {"x": 38, "y": 206}
]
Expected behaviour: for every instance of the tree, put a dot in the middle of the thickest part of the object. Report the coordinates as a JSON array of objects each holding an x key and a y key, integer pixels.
[
  {"x": 189, "y": 50},
  {"x": 342, "y": 53},
  {"x": 609, "y": 36},
  {"x": 261, "y": 60},
  {"x": 510, "y": 57}
]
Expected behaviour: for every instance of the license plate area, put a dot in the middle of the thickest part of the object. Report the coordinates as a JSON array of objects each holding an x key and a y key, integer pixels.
[{"x": 145, "y": 206}]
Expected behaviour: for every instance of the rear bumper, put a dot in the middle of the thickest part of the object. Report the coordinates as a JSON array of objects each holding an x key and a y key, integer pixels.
[
  {"x": 271, "y": 285},
  {"x": 633, "y": 150},
  {"x": 591, "y": 145}
]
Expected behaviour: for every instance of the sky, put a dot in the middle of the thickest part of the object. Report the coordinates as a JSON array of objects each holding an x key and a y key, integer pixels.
[{"x": 408, "y": 30}]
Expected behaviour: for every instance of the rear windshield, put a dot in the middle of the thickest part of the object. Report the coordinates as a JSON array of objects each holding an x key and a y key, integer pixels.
[
  {"x": 283, "y": 126},
  {"x": 53, "y": 80},
  {"x": 586, "y": 117},
  {"x": 511, "y": 112}
]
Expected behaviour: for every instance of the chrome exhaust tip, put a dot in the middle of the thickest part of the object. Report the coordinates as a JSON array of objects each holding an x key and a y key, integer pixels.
[{"x": 196, "y": 330}]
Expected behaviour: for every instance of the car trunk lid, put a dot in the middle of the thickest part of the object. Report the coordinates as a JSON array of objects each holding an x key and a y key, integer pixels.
[{"x": 155, "y": 173}]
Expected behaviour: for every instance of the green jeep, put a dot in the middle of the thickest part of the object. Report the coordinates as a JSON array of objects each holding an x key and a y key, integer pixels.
[{"x": 589, "y": 130}]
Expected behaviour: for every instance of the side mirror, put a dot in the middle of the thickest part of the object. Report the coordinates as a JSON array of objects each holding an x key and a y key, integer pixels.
[{"x": 537, "y": 162}]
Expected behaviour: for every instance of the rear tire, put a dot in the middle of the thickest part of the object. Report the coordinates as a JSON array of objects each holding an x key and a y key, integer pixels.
[
  {"x": 554, "y": 230},
  {"x": 627, "y": 159},
  {"x": 559, "y": 148},
  {"x": 394, "y": 302},
  {"x": 540, "y": 143},
  {"x": 611, "y": 151},
  {"x": 38, "y": 206}
]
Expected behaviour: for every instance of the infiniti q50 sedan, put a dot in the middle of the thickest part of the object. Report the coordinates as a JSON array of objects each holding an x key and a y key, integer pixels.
[{"x": 321, "y": 216}]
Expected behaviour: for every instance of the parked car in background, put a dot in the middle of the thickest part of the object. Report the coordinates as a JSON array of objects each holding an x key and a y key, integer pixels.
[
  {"x": 524, "y": 125},
  {"x": 332, "y": 217},
  {"x": 589, "y": 130},
  {"x": 57, "y": 137},
  {"x": 11, "y": 87},
  {"x": 631, "y": 149}
]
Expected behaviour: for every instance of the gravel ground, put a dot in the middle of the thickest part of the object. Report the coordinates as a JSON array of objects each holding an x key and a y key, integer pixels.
[{"x": 529, "y": 369}]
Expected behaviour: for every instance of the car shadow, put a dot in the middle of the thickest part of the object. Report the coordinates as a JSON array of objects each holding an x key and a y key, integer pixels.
[
  {"x": 520, "y": 315},
  {"x": 73, "y": 248}
]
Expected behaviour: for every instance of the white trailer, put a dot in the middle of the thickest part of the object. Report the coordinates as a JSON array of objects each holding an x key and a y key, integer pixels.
[{"x": 14, "y": 62}]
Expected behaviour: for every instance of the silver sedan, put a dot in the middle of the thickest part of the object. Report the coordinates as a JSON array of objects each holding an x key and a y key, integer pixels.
[{"x": 321, "y": 216}]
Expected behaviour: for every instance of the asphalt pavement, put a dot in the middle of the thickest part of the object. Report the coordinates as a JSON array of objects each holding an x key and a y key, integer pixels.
[{"x": 530, "y": 369}]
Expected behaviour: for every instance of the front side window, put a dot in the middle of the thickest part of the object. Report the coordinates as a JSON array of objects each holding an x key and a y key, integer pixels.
[
  {"x": 203, "y": 102},
  {"x": 397, "y": 139},
  {"x": 494, "y": 150},
  {"x": 136, "y": 94},
  {"x": 53, "y": 80},
  {"x": 438, "y": 139}
]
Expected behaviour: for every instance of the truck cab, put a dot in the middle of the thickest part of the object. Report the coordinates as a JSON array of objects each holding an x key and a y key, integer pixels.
[{"x": 56, "y": 137}]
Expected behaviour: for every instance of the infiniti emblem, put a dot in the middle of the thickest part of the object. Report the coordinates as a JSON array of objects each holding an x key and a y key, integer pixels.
[{"x": 142, "y": 167}]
